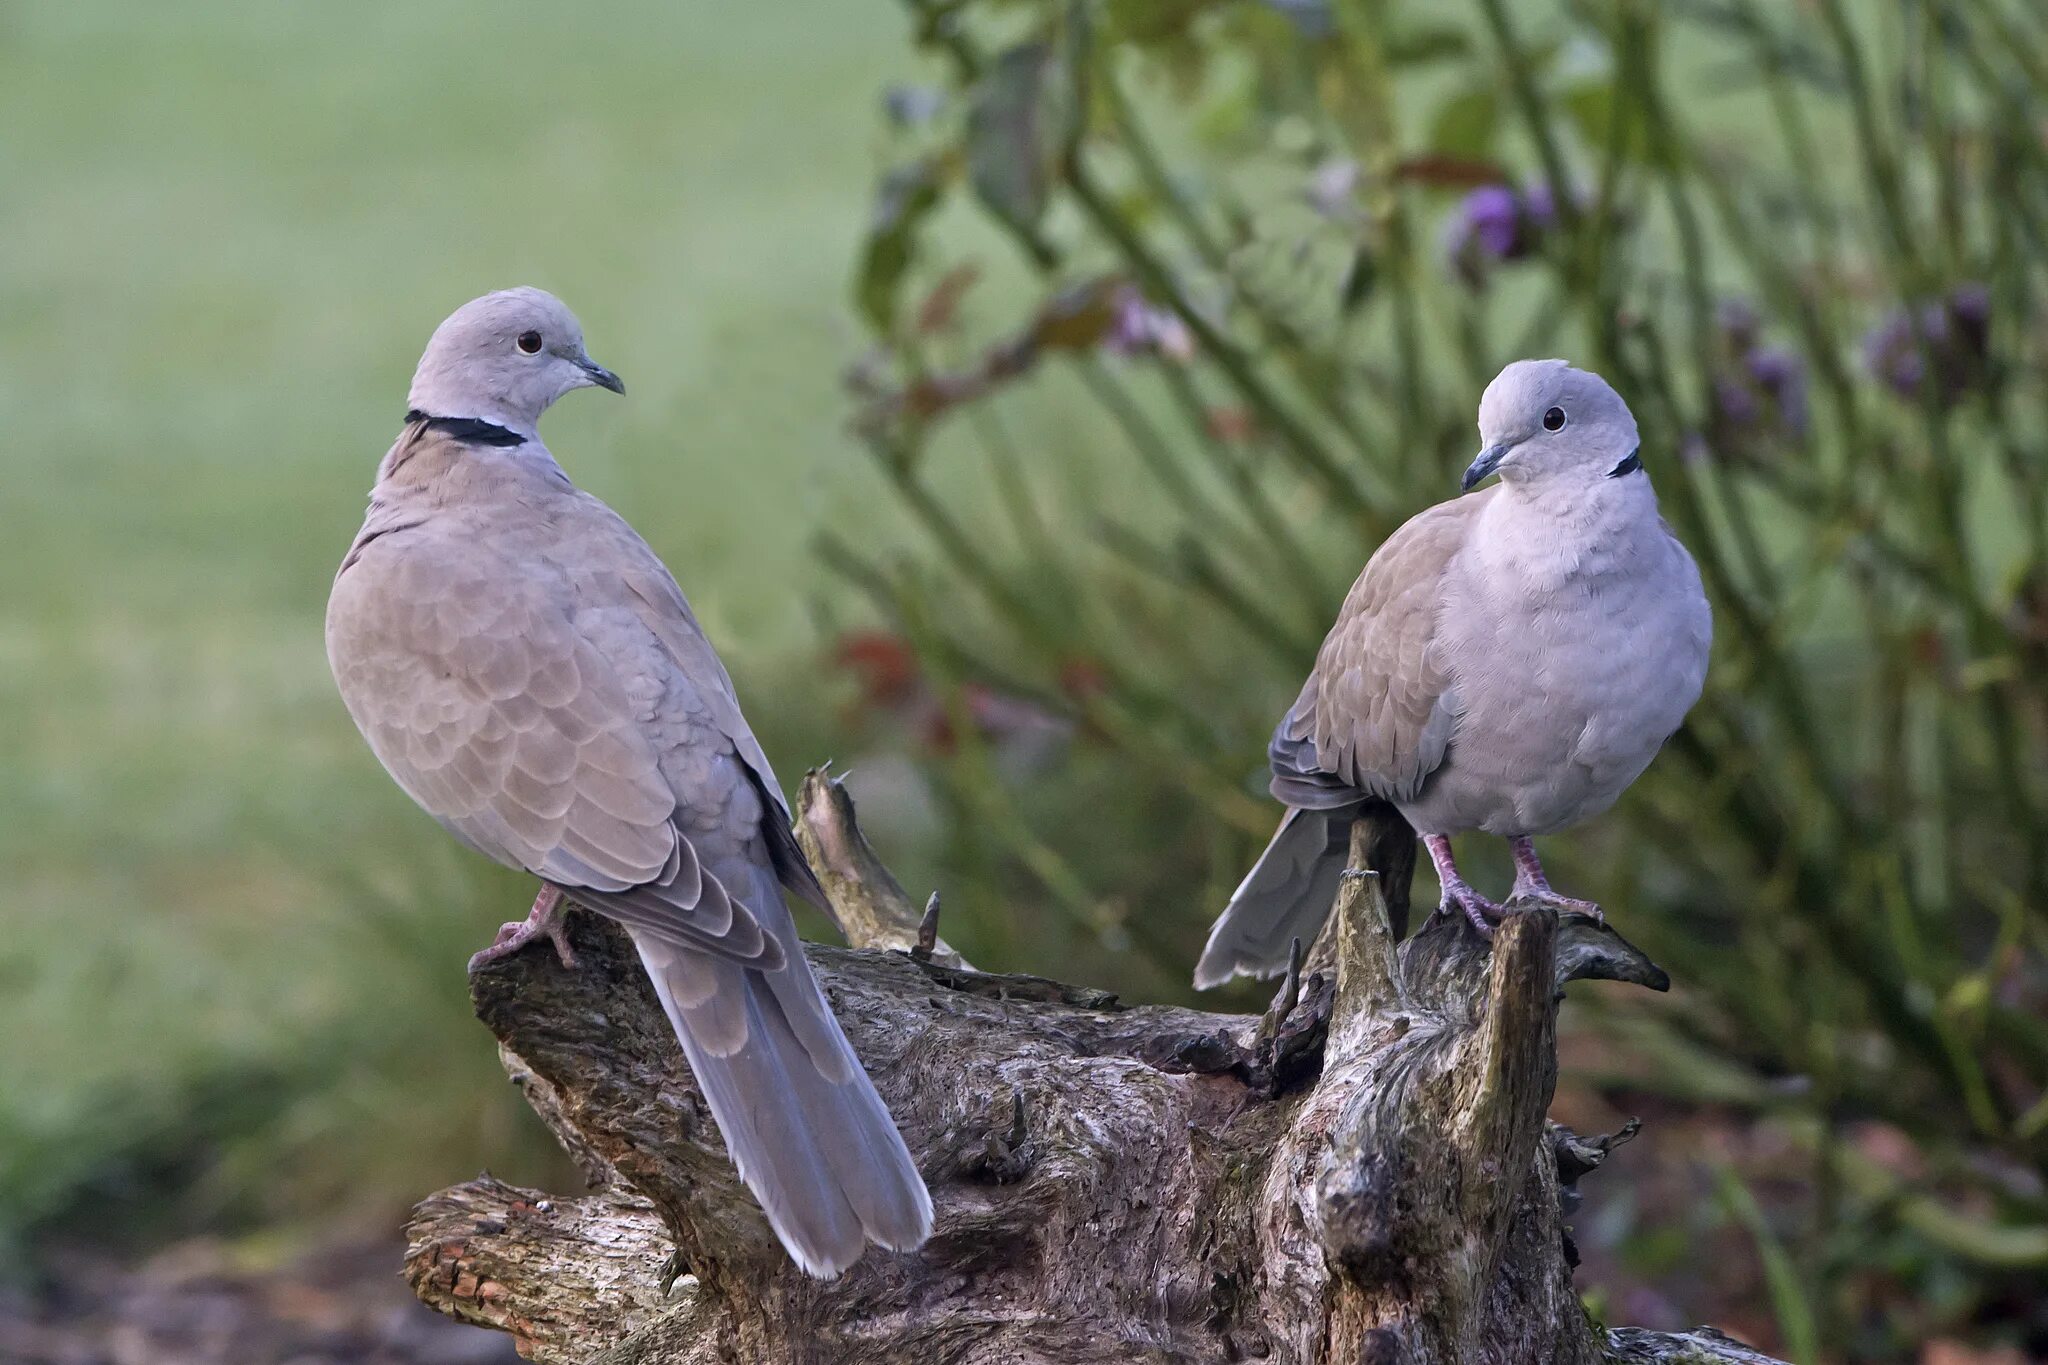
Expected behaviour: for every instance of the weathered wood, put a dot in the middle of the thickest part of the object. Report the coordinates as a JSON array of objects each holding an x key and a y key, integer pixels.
[
  {"x": 869, "y": 905},
  {"x": 1365, "y": 1175},
  {"x": 542, "y": 1268}
]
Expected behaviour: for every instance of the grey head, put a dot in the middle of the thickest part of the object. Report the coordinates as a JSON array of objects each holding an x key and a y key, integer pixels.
[
  {"x": 504, "y": 359},
  {"x": 1543, "y": 424}
]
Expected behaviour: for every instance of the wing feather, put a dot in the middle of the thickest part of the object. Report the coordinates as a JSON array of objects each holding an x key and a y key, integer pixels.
[
  {"x": 479, "y": 694},
  {"x": 1374, "y": 718},
  {"x": 664, "y": 610}
]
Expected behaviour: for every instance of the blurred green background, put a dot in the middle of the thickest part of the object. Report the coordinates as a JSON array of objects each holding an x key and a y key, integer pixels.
[
  {"x": 1014, "y": 388},
  {"x": 229, "y": 230}
]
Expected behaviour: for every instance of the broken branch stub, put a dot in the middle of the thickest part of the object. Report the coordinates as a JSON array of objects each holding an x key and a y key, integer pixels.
[
  {"x": 1365, "y": 1174},
  {"x": 869, "y": 906}
]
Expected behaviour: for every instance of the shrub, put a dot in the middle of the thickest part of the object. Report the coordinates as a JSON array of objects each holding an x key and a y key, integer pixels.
[{"x": 1277, "y": 249}]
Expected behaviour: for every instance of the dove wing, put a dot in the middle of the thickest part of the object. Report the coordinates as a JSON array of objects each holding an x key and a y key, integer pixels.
[
  {"x": 475, "y": 687},
  {"x": 656, "y": 600},
  {"x": 1375, "y": 717}
]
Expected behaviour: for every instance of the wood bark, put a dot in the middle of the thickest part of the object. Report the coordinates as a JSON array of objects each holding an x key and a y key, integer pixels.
[{"x": 1365, "y": 1174}]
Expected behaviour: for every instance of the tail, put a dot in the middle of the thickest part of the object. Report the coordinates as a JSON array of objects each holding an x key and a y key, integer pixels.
[
  {"x": 802, "y": 1121},
  {"x": 1285, "y": 896}
]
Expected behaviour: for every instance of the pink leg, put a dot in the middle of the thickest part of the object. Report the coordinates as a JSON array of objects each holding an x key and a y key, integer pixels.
[
  {"x": 1457, "y": 891},
  {"x": 544, "y": 921},
  {"x": 1531, "y": 884}
]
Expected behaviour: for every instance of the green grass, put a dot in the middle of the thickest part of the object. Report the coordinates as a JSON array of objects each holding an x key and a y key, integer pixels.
[{"x": 228, "y": 940}]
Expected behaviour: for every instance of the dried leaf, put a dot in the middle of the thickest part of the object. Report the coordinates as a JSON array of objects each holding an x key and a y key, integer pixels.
[
  {"x": 1229, "y": 424},
  {"x": 1448, "y": 172},
  {"x": 939, "y": 308}
]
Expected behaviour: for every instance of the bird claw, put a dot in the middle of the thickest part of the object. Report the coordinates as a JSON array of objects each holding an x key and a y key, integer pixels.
[
  {"x": 1481, "y": 913},
  {"x": 1564, "y": 905},
  {"x": 546, "y": 921},
  {"x": 501, "y": 948},
  {"x": 1532, "y": 885}
]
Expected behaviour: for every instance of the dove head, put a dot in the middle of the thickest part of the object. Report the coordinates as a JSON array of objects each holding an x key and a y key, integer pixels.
[
  {"x": 504, "y": 358},
  {"x": 1545, "y": 425}
]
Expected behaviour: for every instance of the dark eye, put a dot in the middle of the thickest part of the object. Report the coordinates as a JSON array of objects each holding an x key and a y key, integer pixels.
[
  {"x": 529, "y": 342},
  {"x": 1552, "y": 420}
]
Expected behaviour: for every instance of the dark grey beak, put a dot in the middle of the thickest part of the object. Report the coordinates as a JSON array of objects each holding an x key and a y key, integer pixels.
[
  {"x": 602, "y": 377},
  {"x": 1488, "y": 461}
]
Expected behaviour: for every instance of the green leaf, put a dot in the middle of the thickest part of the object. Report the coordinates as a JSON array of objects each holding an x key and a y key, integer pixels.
[
  {"x": 1465, "y": 124},
  {"x": 1589, "y": 103},
  {"x": 1591, "y": 106},
  {"x": 1014, "y": 130},
  {"x": 1148, "y": 23},
  {"x": 1789, "y": 1300},
  {"x": 906, "y": 197},
  {"x": 1359, "y": 278},
  {"x": 1426, "y": 43}
]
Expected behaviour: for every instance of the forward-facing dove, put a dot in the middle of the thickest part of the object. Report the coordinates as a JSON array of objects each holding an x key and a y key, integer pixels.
[{"x": 1509, "y": 661}]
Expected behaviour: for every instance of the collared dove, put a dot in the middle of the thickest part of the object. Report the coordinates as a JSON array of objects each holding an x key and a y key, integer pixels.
[
  {"x": 1509, "y": 661},
  {"x": 530, "y": 674}
]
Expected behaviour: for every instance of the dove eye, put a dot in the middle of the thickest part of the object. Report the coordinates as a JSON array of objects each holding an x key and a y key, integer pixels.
[
  {"x": 529, "y": 342},
  {"x": 1553, "y": 420}
]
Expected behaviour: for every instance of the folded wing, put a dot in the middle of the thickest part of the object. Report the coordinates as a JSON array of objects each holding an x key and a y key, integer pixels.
[
  {"x": 489, "y": 707},
  {"x": 1375, "y": 717}
]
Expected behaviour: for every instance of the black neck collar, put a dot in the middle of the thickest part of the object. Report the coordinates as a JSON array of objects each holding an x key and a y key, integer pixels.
[
  {"x": 469, "y": 430},
  {"x": 1630, "y": 463}
]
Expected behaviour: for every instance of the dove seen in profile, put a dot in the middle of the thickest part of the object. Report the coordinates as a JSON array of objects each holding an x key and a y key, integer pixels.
[
  {"x": 1509, "y": 662},
  {"x": 529, "y": 672}
]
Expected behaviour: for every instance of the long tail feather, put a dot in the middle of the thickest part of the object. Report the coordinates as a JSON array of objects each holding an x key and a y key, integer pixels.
[
  {"x": 803, "y": 1123},
  {"x": 1285, "y": 896}
]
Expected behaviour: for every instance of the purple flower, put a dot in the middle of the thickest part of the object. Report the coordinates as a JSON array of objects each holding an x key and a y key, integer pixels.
[
  {"x": 1735, "y": 402},
  {"x": 1493, "y": 215},
  {"x": 1138, "y": 328},
  {"x": 1737, "y": 320},
  {"x": 1758, "y": 392},
  {"x": 1954, "y": 332},
  {"x": 912, "y": 106},
  {"x": 1781, "y": 375},
  {"x": 1496, "y": 224},
  {"x": 1969, "y": 305},
  {"x": 1890, "y": 355}
]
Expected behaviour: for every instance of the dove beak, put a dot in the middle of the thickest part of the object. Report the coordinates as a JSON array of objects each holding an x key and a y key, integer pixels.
[
  {"x": 1488, "y": 461},
  {"x": 602, "y": 377}
]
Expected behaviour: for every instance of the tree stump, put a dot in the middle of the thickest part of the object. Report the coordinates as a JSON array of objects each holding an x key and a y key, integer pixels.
[{"x": 1363, "y": 1175}]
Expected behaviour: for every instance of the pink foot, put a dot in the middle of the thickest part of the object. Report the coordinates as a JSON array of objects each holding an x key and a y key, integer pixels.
[
  {"x": 546, "y": 920},
  {"x": 1481, "y": 912},
  {"x": 1532, "y": 885}
]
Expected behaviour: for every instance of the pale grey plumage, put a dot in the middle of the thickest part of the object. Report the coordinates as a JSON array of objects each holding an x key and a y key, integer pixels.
[
  {"x": 1508, "y": 661},
  {"x": 529, "y": 672}
]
